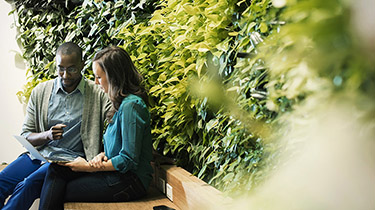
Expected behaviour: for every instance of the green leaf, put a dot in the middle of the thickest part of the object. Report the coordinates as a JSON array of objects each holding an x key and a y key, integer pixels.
[
  {"x": 211, "y": 124},
  {"x": 263, "y": 27},
  {"x": 201, "y": 172}
]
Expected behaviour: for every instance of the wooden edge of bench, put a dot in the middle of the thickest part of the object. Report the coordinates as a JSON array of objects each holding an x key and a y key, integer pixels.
[
  {"x": 2, "y": 166},
  {"x": 187, "y": 191}
]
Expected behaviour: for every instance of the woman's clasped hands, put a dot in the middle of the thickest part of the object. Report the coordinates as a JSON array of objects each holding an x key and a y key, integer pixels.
[
  {"x": 82, "y": 165},
  {"x": 98, "y": 161}
]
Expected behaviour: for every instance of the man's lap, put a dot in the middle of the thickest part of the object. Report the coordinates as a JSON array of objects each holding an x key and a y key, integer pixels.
[{"x": 21, "y": 168}]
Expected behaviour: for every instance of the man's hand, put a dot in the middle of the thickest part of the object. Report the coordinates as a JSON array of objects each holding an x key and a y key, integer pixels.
[{"x": 56, "y": 132}]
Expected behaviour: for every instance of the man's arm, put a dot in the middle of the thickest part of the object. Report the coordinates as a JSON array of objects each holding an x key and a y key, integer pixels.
[
  {"x": 33, "y": 127},
  {"x": 54, "y": 133}
]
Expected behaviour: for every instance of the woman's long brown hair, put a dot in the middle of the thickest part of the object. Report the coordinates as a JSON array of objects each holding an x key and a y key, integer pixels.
[{"x": 122, "y": 76}]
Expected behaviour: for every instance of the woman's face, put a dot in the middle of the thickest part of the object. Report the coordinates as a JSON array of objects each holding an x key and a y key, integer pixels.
[{"x": 100, "y": 76}]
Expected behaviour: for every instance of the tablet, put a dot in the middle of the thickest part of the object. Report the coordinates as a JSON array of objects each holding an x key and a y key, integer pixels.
[{"x": 34, "y": 152}]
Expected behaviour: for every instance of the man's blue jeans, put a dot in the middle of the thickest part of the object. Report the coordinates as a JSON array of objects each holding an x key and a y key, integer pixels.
[
  {"x": 62, "y": 184},
  {"x": 23, "y": 180}
]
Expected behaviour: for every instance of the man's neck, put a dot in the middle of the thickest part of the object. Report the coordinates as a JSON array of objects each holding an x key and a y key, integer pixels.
[{"x": 72, "y": 88}]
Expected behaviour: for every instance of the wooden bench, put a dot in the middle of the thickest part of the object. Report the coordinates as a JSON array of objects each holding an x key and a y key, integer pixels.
[
  {"x": 187, "y": 191},
  {"x": 154, "y": 198},
  {"x": 2, "y": 166},
  {"x": 184, "y": 191},
  {"x": 173, "y": 187}
]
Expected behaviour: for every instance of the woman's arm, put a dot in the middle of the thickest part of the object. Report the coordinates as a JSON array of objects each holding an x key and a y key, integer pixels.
[
  {"x": 134, "y": 118},
  {"x": 81, "y": 165}
]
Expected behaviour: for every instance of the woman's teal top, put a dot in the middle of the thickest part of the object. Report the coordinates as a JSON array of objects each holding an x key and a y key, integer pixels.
[{"x": 127, "y": 140}]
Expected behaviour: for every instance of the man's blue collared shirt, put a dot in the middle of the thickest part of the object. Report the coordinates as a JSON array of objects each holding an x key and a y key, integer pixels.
[{"x": 66, "y": 108}]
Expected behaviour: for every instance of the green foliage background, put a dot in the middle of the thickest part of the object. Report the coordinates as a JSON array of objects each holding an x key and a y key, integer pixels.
[{"x": 220, "y": 73}]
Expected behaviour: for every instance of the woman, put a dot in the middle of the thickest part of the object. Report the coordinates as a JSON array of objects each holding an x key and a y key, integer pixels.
[{"x": 123, "y": 171}]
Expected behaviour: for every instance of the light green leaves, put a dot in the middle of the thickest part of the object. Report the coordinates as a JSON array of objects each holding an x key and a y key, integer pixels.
[{"x": 212, "y": 133}]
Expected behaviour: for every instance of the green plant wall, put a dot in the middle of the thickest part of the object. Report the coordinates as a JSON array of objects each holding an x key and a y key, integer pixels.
[
  {"x": 44, "y": 25},
  {"x": 221, "y": 74},
  {"x": 207, "y": 93},
  {"x": 209, "y": 103}
]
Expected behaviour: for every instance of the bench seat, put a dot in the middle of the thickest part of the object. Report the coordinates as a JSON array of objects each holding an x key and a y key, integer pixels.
[
  {"x": 154, "y": 198},
  {"x": 185, "y": 192}
]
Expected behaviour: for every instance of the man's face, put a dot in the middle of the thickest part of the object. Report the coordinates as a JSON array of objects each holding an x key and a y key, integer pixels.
[{"x": 69, "y": 70}]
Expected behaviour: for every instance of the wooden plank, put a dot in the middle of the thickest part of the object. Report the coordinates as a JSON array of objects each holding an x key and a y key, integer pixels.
[
  {"x": 154, "y": 198},
  {"x": 189, "y": 192},
  {"x": 2, "y": 166}
]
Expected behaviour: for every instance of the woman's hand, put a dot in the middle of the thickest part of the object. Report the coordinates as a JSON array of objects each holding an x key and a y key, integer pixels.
[
  {"x": 98, "y": 161},
  {"x": 79, "y": 165}
]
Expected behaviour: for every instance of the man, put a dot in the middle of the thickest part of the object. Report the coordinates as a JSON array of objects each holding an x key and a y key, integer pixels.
[{"x": 63, "y": 116}]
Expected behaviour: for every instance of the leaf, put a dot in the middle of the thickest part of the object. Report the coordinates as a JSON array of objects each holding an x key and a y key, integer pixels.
[
  {"x": 155, "y": 88},
  {"x": 93, "y": 30},
  {"x": 173, "y": 79},
  {"x": 167, "y": 116},
  {"x": 263, "y": 27},
  {"x": 228, "y": 177},
  {"x": 250, "y": 27},
  {"x": 201, "y": 172},
  {"x": 162, "y": 77},
  {"x": 211, "y": 124},
  {"x": 233, "y": 33},
  {"x": 70, "y": 36}
]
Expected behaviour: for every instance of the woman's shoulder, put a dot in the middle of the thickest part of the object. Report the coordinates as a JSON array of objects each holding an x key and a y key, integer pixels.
[
  {"x": 132, "y": 106},
  {"x": 132, "y": 100}
]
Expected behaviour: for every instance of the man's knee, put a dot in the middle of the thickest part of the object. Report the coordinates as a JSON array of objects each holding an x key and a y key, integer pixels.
[
  {"x": 7, "y": 185},
  {"x": 30, "y": 184}
]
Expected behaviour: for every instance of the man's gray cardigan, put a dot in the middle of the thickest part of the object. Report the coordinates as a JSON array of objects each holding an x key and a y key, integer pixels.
[{"x": 95, "y": 106}]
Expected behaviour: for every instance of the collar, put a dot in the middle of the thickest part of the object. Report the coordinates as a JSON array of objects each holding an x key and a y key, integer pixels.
[{"x": 80, "y": 87}]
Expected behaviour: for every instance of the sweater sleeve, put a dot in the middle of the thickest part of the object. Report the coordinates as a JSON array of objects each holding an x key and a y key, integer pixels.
[
  {"x": 37, "y": 107},
  {"x": 133, "y": 117},
  {"x": 29, "y": 123}
]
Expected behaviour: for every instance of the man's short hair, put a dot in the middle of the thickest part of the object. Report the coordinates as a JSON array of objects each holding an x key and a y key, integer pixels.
[{"x": 69, "y": 48}]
